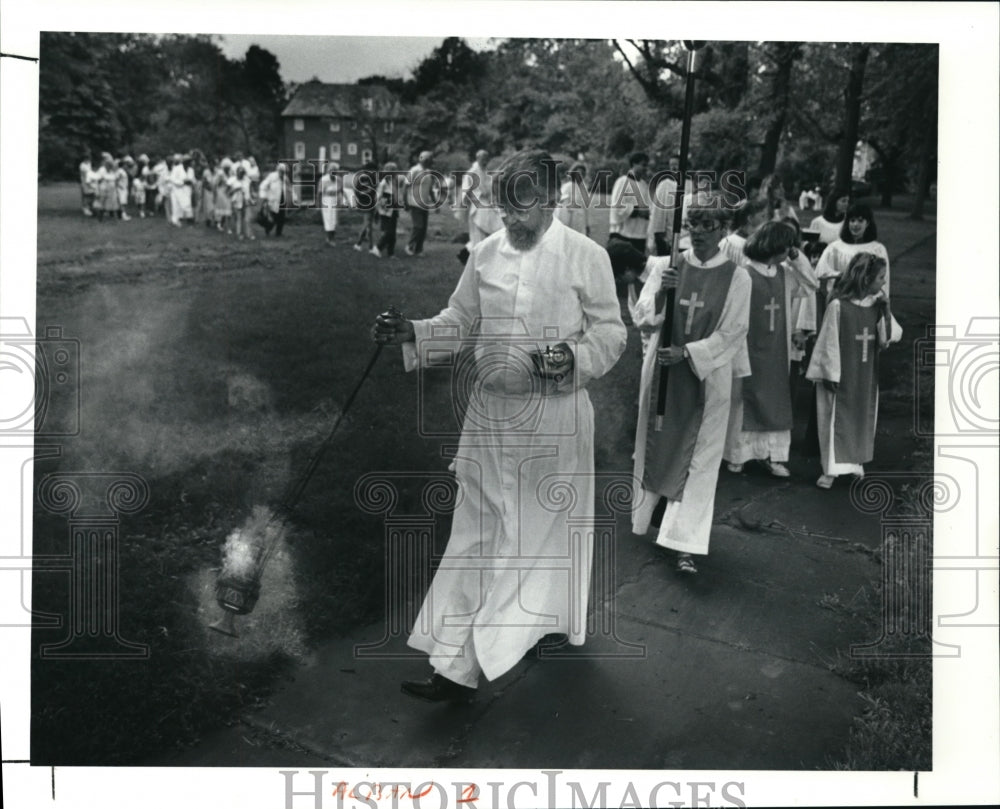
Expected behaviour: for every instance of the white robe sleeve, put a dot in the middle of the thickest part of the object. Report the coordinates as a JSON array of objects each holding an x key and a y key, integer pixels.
[
  {"x": 802, "y": 293},
  {"x": 645, "y": 316},
  {"x": 462, "y": 311},
  {"x": 604, "y": 334},
  {"x": 722, "y": 345},
  {"x": 895, "y": 330},
  {"x": 621, "y": 205},
  {"x": 802, "y": 274},
  {"x": 661, "y": 217},
  {"x": 732, "y": 250},
  {"x": 881, "y": 252},
  {"x": 825, "y": 362},
  {"x": 828, "y": 265}
]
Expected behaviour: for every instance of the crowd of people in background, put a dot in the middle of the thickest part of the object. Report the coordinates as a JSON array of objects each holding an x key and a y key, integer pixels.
[
  {"x": 228, "y": 194},
  {"x": 788, "y": 292}
]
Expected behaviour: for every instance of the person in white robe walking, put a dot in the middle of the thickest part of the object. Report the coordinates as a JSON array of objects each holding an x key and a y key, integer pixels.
[
  {"x": 180, "y": 193},
  {"x": 676, "y": 467},
  {"x": 517, "y": 565},
  {"x": 857, "y": 326},
  {"x": 760, "y": 416},
  {"x": 830, "y": 221},
  {"x": 331, "y": 195},
  {"x": 474, "y": 203}
]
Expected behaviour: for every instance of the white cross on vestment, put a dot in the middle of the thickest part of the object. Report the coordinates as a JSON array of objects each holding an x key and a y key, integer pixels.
[
  {"x": 772, "y": 307},
  {"x": 864, "y": 338},
  {"x": 693, "y": 304}
]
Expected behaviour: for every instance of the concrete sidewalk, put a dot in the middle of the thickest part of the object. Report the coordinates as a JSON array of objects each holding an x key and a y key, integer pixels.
[{"x": 728, "y": 669}]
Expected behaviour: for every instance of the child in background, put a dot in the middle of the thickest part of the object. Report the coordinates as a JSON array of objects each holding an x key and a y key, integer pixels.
[
  {"x": 760, "y": 417},
  {"x": 223, "y": 203},
  {"x": 139, "y": 195},
  {"x": 389, "y": 201},
  {"x": 122, "y": 187},
  {"x": 150, "y": 186},
  {"x": 239, "y": 197},
  {"x": 844, "y": 365}
]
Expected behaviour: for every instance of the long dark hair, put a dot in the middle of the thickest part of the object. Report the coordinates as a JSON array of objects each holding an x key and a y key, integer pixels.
[
  {"x": 857, "y": 210},
  {"x": 830, "y": 212}
]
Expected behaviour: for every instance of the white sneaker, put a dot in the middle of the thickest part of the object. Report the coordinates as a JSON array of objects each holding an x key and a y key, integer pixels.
[
  {"x": 357, "y": 247},
  {"x": 825, "y": 481},
  {"x": 779, "y": 470},
  {"x": 735, "y": 468},
  {"x": 375, "y": 252}
]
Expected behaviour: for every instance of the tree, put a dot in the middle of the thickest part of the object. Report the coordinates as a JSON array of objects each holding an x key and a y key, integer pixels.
[
  {"x": 78, "y": 113},
  {"x": 783, "y": 55},
  {"x": 899, "y": 118},
  {"x": 452, "y": 63}
]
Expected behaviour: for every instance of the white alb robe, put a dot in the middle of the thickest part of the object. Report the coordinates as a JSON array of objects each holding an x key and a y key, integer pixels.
[
  {"x": 475, "y": 202},
  {"x": 180, "y": 194},
  {"x": 331, "y": 198},
  {"x": 732, "y": 246},
  {"x": 628, "y": 194},
  {"x": 716, "y": 360},
  {"x": 832, "y": 262},
  {"x": 828, "y": 231},
  {"x": 517, "y": 564},
  {"x": 573, "y": 210}
]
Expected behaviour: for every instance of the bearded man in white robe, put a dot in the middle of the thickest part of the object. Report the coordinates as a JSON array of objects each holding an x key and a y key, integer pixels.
[{"x": 517, "y": 564}]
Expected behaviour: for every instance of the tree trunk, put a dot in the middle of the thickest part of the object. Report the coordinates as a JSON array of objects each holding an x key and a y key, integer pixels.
[
  {"x": 852, "y": 117},
  {"x": 928, "y": 154},
  {"x": 890, "y": 160},
  {"x": 785, "y": 55},
  {"x": 925, "y": 175}
]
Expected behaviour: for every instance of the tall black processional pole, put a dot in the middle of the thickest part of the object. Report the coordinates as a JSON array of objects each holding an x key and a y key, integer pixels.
[{"x": 668, "y": 317}]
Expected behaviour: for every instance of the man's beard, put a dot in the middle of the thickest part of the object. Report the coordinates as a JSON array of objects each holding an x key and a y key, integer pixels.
[{"x": 521, "y": 238}]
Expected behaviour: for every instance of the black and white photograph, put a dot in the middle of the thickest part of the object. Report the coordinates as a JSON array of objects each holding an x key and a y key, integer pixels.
[{"x": 499, "y": 404}]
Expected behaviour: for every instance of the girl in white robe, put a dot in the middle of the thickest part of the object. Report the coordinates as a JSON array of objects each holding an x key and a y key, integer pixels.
[
  {"x": 829, "y": 223},
  {"x": 858, "y": 234},
  {"x": 857, "y": 326},
  {"x": 331, "y": 196},
  {"x": 760, "y": 417}
]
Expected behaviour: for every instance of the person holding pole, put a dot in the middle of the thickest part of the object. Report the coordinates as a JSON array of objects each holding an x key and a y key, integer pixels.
[
  {"x": 678, "y": 451},
  {"x": 697, "y": 308}
]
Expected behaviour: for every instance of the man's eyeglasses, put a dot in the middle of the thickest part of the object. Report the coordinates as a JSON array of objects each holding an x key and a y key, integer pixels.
[{"x": 701, "y": 226}]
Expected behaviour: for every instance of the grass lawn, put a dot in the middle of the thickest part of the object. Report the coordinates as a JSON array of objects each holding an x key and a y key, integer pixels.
[{"x": 213, "y": 368}]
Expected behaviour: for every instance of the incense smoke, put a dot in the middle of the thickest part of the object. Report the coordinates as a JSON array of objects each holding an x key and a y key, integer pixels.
[{"x": 248, "y": 547}]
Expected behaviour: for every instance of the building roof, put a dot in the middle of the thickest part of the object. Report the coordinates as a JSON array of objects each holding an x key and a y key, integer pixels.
[{"x": 317, "y": 99}]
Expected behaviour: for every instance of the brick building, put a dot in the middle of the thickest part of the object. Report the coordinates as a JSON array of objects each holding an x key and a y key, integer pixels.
[{"x": 344, "y": 123}]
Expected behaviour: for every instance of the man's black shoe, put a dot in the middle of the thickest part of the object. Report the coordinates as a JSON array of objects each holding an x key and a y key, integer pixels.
[{"x": 438, "y": 689}]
